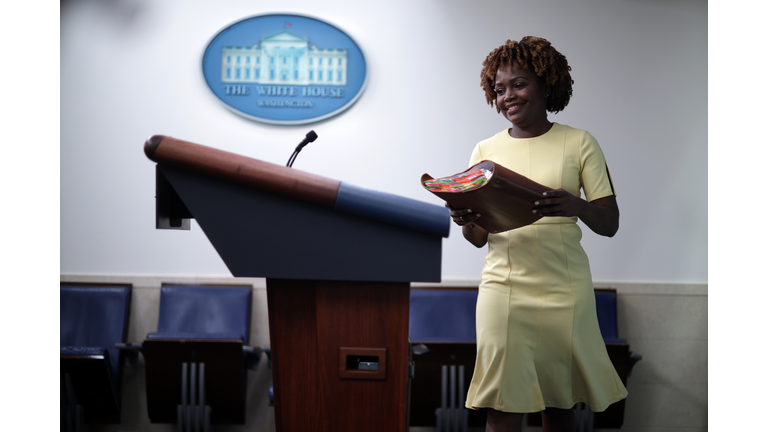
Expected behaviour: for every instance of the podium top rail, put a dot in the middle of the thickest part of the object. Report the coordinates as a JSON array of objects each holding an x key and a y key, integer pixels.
[{"x": 301, "y": 185}]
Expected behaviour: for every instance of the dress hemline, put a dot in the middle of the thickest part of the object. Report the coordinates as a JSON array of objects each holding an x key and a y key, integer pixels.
[{"x": 617, "y": 398}]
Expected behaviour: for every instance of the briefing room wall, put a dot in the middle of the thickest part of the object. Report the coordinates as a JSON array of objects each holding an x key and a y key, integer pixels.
[{"x": 132, "y": 69}]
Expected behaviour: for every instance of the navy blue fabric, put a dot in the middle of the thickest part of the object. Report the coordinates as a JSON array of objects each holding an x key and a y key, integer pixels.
[
  {"x": 606, "y": 315},
  {"x": 201, "y": 310},
  {"x": 442, "y": 315},
  {"x": 95, "y": 316},
  {"x": 393, "y": 209},
  {"x": 449, "y": 316},
  {"x": 185, "y": 335},
  {"x": 84, "y": 351}
]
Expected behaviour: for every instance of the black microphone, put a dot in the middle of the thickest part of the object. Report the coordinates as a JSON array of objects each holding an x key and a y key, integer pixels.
[{"x": 311, "y": 136}]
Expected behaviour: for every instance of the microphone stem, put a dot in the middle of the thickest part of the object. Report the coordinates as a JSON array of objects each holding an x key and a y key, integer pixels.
[{"x": 311, "y": 136}]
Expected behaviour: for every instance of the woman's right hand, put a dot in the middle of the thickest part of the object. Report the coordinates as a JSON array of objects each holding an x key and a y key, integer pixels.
[
  {"x": 462, "y": 216},
  {"x": 465, "y": 218}
]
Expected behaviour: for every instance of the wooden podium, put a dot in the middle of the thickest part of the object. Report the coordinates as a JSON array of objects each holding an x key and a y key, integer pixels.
[{"x": 338, "y": 260}]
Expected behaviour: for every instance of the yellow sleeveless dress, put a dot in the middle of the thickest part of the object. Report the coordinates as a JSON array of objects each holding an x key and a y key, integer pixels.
[{"x": 538, "y": 340}]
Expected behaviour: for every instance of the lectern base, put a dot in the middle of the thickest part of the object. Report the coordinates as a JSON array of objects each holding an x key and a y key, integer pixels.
[{"x": 339, "y": 355}]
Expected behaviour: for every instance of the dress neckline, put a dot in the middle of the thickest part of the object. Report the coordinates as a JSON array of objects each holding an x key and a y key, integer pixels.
[{"x": 554, "y": 126}]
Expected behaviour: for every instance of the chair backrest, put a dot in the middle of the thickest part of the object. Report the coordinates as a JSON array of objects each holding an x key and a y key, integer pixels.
[
  {"x": 449, "y": 315},
  {"x": 607, "y": 317},
  {"x": 442, "y": 315},
  {"x": 201, "y": 310},
  {"x": 94, "y": 316}
]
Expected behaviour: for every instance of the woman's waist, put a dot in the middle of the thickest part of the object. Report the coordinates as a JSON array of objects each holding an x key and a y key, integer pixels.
[
  {"x": 556, "y": 220},
  {"x": 546, "y": 234}
]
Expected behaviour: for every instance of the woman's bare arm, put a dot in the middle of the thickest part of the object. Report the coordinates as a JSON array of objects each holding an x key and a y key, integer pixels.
[
  {"x": 600, "y": 215},
  {"x": 465, "y": 218}
]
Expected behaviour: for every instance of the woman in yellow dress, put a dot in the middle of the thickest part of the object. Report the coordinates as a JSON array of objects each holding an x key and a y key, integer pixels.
[{"x": 539, "y": 346}]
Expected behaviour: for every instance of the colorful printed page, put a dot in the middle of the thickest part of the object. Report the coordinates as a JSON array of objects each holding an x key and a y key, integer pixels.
[{"x": 462, "y": 182}]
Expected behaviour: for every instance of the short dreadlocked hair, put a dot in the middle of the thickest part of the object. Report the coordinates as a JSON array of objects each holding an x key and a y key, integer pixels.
[{"x": 537, "y": 55}]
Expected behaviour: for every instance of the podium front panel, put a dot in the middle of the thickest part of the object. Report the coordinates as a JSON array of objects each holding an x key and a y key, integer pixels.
[
  {"x": 261, "y": 234},
  {"x": 312, "y": 324}
]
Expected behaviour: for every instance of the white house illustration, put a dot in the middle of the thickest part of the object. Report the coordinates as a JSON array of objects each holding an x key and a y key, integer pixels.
[{"x": 284, "y": 59}]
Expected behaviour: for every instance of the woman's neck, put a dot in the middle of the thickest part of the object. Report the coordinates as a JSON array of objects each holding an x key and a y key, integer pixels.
[{"x": 532, "y": 131}]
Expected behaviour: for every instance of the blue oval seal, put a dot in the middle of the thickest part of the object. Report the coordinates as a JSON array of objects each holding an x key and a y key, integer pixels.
[{"x": 285, "y": 69}]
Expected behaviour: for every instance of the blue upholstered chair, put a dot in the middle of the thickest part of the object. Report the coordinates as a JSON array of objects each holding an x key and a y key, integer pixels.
[
  {"x": 605, "y": 301},
  {"x": 442, "y": 334},
  {"x": 204, "y": 312},
  {"x": 607, "y": 318},
  {"x": 442, "y": 315},
  {"x": 93, "y": 318},
  {"x": 196, "y": 362},
  {"x": 622, "y": 358}
]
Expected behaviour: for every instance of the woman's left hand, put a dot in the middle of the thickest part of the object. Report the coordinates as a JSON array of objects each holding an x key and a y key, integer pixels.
[
  {"x": 558, "y": 202},
  {"x": 600, "y": 215}
]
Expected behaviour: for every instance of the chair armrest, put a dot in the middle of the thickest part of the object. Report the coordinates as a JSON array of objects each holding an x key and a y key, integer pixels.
[
  {"x": 131, "y": 351},
  {"x": 79, "y": 351},
  {"x": 633, "y": 358},
  {"x": 420, "y": 349},
  {"x": 268, "y": 351},
  {"x": 253, "y": 356}
]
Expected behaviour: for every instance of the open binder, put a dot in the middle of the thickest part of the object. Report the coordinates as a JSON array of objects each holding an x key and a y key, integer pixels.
[{"x": 503, "y": 198}]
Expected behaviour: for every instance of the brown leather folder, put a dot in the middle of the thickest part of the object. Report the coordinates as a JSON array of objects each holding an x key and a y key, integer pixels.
[{"x": 504, "y": 202}]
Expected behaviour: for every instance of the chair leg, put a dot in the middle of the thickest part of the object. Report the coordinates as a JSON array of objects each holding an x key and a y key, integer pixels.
[
  {"x": 452, "y": 416},
  {"x": 194, "y": 424},
  {"x": 441, "y": 413},
  {"x": 74, "y": 417},
  {"x": 181, "y": 410},
  {"x": 201, "y": 399},
  {"x": 584, "y": 418},
  {"x": 63, "y": 406},
  {"x": 193, "y": 415},
  {"x": 462, "y": 413},
  {"x": 207, "y": 419}
]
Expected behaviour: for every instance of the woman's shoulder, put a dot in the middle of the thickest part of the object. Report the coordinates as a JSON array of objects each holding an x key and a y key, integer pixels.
[
  {"x": 581, "y": 136},
  {"x": 568, "y": 129},
  {"x": 487, "y": 148},
  {"x": 501, "y": 136}
]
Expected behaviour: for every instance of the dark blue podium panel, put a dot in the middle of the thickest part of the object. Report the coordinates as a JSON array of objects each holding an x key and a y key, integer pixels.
[{"x": 261, "y": 234}]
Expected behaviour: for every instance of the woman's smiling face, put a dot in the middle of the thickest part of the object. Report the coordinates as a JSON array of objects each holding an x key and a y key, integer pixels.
[{"x": 520, "y": 96}]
